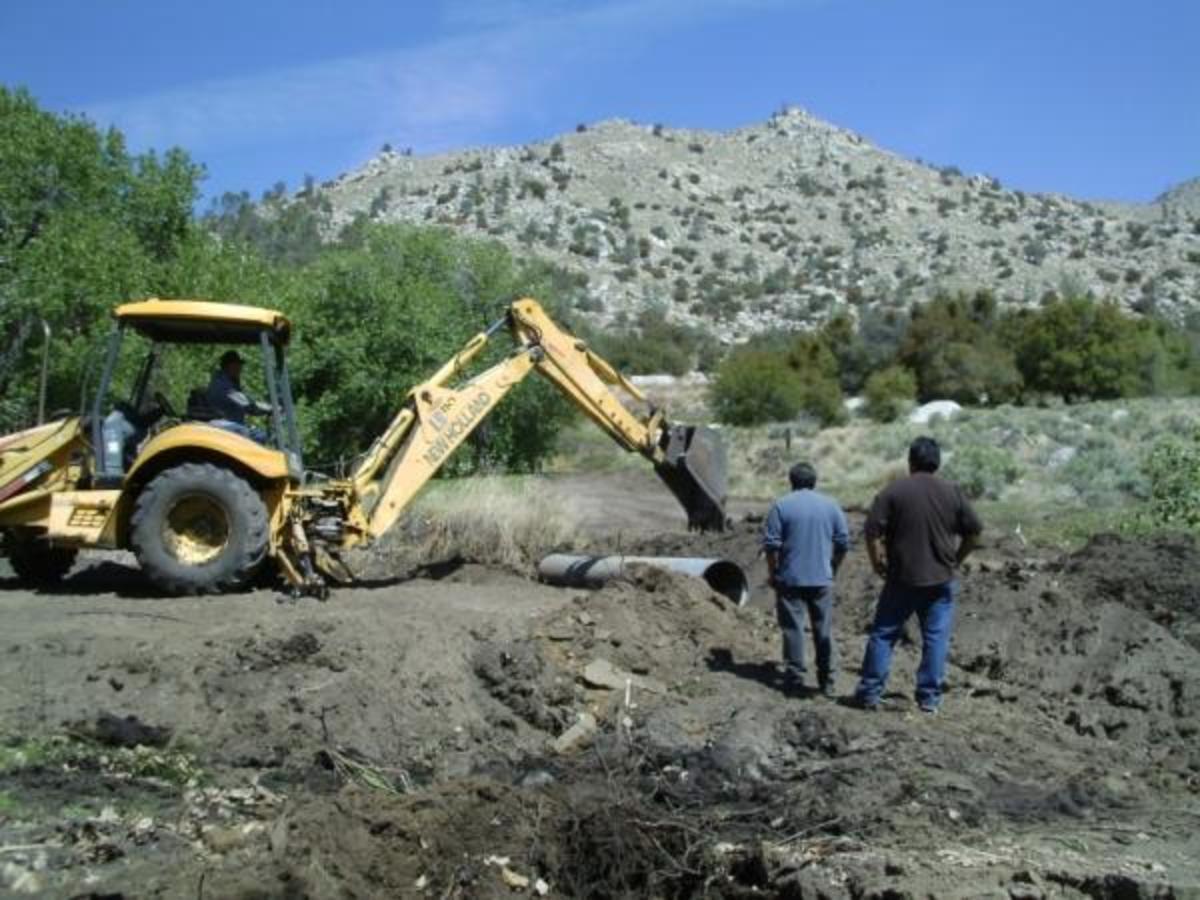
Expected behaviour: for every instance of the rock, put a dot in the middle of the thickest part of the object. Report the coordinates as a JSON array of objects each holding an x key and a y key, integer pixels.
[
  {"x": 223, "y": 839},
  {"x": 513, "y": 879},
  {"x": 600, "y": 673},
  {"x": 577, "y": 735},
  {"x": 645, "y": 381},
  {"x": 21, "y": 880},
  {"x": 536, "y": 778},
  {"x": 1061, "y": 457},
  {"x": 925, "y": 414}
]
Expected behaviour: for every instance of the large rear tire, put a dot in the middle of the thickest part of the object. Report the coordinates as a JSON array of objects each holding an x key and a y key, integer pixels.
[
  {"x": 36, "y": 561},
  {"x": 198, "y": 528}
]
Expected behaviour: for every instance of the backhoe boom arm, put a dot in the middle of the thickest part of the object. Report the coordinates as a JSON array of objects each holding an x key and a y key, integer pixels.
[{"x": 436, "y": 418}]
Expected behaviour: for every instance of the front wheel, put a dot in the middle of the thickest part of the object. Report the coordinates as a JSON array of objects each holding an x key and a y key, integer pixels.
[
  {"x": 198, "y": 528},
  {"x": 36, "y": 561}
]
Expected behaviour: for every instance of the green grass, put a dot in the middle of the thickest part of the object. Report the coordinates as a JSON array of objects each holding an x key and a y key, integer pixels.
[
  {"x": 68, "y": 752},
  {"x": 507, "y": 521},
  {"x": 1065, "y": 530},
  {"x": 9, "y": 805}
]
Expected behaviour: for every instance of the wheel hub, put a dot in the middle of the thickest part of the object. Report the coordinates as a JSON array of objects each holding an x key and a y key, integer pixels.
[{"x": 196, "y": 530}]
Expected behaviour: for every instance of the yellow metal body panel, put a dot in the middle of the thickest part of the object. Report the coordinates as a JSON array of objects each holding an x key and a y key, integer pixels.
[
  {"x": 28, "y": 510},
  {"x": 44, "y": 455},
  {"x": 23, "y": 440},
  {"x": 84, "y": 518},
  {"x": 234, "y": 314},
  {"x": 271, "y": 464}
]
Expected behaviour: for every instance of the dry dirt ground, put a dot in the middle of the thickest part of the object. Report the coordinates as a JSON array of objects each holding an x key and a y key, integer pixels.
[{"x": 469, "y": 732}]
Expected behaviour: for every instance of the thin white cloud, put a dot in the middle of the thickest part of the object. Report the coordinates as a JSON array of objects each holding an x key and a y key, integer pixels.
[{"x": 500, "y": 57}]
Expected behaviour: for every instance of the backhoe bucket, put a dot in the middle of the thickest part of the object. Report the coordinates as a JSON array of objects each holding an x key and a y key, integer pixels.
[{"x": 696, "y": 472}]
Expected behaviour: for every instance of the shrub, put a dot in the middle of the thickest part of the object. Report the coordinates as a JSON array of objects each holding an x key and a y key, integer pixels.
[
  {"x": 890, "y": 393},
  {"x": 983, "y": 471},
  {"x": 1173, "y": 470},
  {"x": 753, "y": 387},
  {"x": 1104, "y": 473}
]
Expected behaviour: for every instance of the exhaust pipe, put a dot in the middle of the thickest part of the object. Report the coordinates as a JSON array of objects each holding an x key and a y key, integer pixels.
[
  {"x": 723, "y": 576},
  {"x": 43, "y": 381}
]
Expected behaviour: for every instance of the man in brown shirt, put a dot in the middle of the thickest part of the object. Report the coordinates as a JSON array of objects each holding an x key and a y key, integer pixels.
[{"x": 919, "y": 530}]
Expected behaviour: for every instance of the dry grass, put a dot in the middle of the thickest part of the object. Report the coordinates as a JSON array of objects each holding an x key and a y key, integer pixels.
[{"x": 501, "y": 521}]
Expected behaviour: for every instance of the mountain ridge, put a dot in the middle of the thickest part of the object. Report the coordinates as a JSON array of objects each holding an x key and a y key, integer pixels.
[{"x": 780, "y": 224}]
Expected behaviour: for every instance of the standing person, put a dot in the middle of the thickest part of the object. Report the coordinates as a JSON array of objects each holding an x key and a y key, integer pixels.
[
  {"x": 919, "y": 531},
  {"x": 805, "y": 539}
]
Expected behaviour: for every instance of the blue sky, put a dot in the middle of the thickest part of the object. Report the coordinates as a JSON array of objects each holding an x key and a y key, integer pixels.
[{"x": 1096, "y": 98}]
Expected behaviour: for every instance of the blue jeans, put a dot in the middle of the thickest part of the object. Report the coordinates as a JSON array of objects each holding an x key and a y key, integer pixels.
[
  {"x": 248, "y": 431},
  {"x": 934, "y": 607},
  {"x": 792, "y": 605}
]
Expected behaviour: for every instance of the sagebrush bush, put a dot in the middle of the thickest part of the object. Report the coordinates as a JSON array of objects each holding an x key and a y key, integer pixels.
[
  {"x": 982, "y": 471},
  {"x": 1103, "y": 472}
]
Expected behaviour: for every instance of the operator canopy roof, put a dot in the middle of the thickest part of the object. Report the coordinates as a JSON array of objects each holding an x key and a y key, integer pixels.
[{"x": 203, "y": 322}]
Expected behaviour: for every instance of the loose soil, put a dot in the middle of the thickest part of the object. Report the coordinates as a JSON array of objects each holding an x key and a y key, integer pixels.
[{"x": 472, "y": 733}]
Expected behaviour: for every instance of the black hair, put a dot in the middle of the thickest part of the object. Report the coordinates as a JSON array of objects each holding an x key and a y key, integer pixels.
[
  {"x": 924, "y": 455},
  {"x": 230, "y": 356},
  {"x": 802, "y": 475}
]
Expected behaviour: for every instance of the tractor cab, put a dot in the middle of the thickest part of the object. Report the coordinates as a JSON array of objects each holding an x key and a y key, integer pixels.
[{"x": 160, "y": 395}]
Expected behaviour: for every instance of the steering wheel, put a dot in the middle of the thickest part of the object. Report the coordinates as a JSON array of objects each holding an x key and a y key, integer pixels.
[{"x": 165, "y": 405}]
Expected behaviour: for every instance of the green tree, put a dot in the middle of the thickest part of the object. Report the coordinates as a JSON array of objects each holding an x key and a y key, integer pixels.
[
  {"x": 952, "y": 347},
  {"x": 375, "y": 319},
  {"x": 83, "y": 225},
  {"x": 865, "y": 346},
  {"x": 815, "y": 365},
  {"x": 753, "y": 387},
  {"x": 654, "y": 345},
  {"x": 890, "y": 393},
  {"x": 1081, "y": 349}
]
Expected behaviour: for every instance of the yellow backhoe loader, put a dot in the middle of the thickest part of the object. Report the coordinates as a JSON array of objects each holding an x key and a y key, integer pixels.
[{"x": 206, "y": 509}]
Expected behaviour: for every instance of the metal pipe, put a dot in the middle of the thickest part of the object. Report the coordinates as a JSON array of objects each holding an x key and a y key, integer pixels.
[
  {"x": 723, "y": 576},
  {"x": 45, "y": 377}
]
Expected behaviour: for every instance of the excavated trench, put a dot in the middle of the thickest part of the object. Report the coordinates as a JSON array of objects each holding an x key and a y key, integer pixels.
[{"x": 481, "y": 735}]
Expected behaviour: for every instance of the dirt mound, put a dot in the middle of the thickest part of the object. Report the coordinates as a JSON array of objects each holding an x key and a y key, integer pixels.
[
  {"x": 1159, "y": 575},
  {"x": 655, "y": 623},
  {"x": 1034, "y": 632}
]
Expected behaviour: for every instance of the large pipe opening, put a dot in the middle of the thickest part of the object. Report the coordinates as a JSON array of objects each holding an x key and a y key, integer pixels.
[{"x": 722, "y": 575}]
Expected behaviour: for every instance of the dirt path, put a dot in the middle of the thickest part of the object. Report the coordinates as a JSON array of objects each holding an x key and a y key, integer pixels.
[{"x": 436, "y": 738}]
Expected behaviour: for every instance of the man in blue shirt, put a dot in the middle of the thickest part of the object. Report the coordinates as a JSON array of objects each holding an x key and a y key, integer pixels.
[{"x": 805, "y": 539}]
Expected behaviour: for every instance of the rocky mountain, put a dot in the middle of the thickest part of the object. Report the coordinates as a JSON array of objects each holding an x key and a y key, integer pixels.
[
  {"x": 781, "y": 223},
  {"x": 1183, "y": 199}
]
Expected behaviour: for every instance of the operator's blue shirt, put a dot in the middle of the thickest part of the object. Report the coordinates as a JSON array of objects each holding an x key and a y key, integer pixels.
[{"x": 804, "y": 528}]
